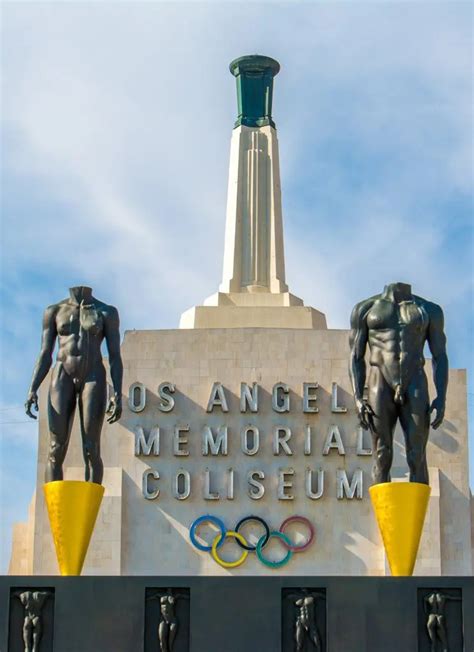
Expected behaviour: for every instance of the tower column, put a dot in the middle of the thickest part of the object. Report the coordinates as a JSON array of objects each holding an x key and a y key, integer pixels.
[{"x": 253, "y": 252}]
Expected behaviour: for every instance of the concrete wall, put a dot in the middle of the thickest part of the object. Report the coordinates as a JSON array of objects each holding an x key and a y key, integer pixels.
[{"x": 139, "y": 536}]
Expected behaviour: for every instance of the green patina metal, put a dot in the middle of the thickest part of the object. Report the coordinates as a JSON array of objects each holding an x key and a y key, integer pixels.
[{"x": 254, "y": 75}]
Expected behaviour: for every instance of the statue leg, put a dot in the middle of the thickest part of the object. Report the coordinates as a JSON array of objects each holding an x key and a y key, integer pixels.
[
  {"x": 432, "y": 626},
  {"x": 163, "y": 636},
  {"x": 442, "y": 634},
  {"x": 61, "y": 408},
  {"x": 172, "y": 635},
  {"x": 383, "y": 425},
  {"x": 314, "y": 637},
  {"x": 415, "y": 422},
  {"x": 92, "y": 405},
  {"x": 27, "y": 633},
  {"x": 37, "y": 632},
  {"x": 299, "y": 635}
]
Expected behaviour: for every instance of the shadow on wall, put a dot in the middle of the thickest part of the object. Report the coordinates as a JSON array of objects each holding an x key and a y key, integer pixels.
[
  {"x": 455, "y": 528},
  {"x": 443, "y": 439}
]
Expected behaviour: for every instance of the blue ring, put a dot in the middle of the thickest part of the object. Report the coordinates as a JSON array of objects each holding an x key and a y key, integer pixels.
[{"x": 203, "y": 519}]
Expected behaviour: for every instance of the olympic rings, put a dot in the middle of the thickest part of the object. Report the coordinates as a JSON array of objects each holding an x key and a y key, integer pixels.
[
  {"x": 243, "y": 543},
  {"x": 219, "y": 540},
  {"x": 309, "y": 525},
  {"x": 204, "y": 519},
  {"x": 266, "y": 536},
  {"x": 286, "y": 558}
]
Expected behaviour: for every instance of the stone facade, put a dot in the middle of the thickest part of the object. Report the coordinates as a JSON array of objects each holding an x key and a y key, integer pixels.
[{"x": 134, "y": 535}]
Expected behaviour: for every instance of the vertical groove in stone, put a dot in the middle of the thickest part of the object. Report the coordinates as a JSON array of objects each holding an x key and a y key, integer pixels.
[{"x": 255, "y": 218}]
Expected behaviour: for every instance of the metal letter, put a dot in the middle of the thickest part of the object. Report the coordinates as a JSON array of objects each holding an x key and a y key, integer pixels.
[
  {"x": 344, "y": 489},
  {"x": 208, "y": 494},
  {"x": 230, "y": 484},
  {"x": 137, "y": 391},
  {"x": 182, "y": 495},
  {"x": 334, "y": 401},
  {"x": 147, "y": 474},
  {"x": 248, "y": 397},
  {"x": 360, "y": 443},
  {"x": 285, "y": 484},
  {"x": 178, "y": 440},
  {"x": 310, "y": 398},
  {"x": 281, "y": 435},
  {"x": 217, "y": 398},
  {"x": 217, "y": 444},
  {"x": 167, "y": 402},
  {"x": 309, "y": 484},
  {"x": 308, "y": 437},
  {"x": 144, "y": 445},
  {"x": 281, "y": 403},
  {"x": 245, "y": 442},
  {"x": 334, "y": 440},
  {"x": 260, "y": 489}
]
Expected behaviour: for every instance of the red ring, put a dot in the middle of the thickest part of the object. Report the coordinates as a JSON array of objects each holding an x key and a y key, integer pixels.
[{"x": 309, "y": 525}]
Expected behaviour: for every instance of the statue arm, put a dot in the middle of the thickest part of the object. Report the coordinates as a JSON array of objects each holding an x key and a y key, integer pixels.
[
  {"x": 425, "y": 604},
  {"x": 44, "y": 595},
  {"x": 437, "y": 343},
  {"x": 45, "y": 359},
  {"x": 112, "y": 336},
  {"x": 358, "y": 340}
]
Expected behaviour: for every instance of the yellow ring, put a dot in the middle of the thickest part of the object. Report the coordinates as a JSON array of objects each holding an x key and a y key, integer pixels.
[{"x": 229, "y": 564}]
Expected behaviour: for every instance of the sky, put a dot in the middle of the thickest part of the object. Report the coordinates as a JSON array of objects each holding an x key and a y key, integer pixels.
[{"x": 116, "y": 125}]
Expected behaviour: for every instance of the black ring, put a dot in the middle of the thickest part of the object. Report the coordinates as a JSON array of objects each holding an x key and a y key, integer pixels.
[{"x": 259, "y": 520}]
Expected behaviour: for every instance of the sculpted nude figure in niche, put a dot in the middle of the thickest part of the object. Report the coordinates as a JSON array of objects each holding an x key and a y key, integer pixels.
[
  {"x": 395, "y": 326},
  {"x": 79, "y": 323}
]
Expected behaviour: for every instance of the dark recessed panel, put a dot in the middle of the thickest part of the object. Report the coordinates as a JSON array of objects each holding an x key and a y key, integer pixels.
[
  {"x": 31, "y": 619},
  {"x": 440, "y": 626}
]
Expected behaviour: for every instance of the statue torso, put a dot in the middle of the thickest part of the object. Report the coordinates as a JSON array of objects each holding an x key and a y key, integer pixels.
[
  {"x": 396, "y": 336},
  {"x": 80, "y": 330}
]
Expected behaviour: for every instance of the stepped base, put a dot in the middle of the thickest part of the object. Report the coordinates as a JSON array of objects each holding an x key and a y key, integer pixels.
[{"x": 253, "y": 310}]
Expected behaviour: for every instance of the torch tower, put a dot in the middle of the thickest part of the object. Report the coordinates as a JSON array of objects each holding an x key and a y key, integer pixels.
[{"x": 253, "y": 291}]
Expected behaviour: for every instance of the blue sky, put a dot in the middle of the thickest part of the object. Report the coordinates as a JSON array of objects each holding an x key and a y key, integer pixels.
[{"x": 116, "y": 125}]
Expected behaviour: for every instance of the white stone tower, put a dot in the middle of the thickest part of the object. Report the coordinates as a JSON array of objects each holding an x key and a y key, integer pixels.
[{"x": 253, "y": 292}]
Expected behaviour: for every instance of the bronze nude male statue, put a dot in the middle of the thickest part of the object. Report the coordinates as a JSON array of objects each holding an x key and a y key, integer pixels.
[
  {"x": 305, "y": 623},
  {"x": 434, "y": 604},
  {"x": 80, "y": 323},
  {"x": 169, "y": 624},
  {"x": 32, "y": 602},
  {"x": 395, "y": 325}
]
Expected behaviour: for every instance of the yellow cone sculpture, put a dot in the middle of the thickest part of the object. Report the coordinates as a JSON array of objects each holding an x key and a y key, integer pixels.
[
  {"x": 400, "y": 509},
  {"x": 73, "y": 506}
]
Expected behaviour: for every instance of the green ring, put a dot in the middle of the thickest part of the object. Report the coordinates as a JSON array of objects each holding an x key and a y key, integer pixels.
[{"x": 274, "y": 564}]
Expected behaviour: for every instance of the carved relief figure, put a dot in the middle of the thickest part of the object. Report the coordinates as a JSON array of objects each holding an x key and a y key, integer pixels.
[
  {"x": 305, "y": 623},
  {"x": 395, "y": 326},
  {"x": 32, "y": 602},
  {"x": 435, "y": 608},
  {"x": 79, "y": 323},
  {"x": 169, "y": 624}
]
